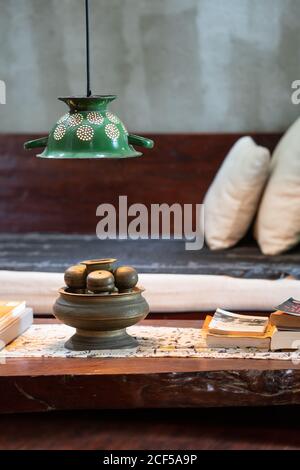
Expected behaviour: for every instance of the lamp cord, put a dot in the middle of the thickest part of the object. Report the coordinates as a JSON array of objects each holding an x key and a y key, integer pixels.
[{"x": 88, "y": 84}]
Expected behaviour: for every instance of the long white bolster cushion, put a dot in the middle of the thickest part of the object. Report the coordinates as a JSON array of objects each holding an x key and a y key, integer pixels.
[{"x": 164, "y": 292}]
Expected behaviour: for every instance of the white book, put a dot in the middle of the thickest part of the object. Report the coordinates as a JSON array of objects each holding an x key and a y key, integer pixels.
[
  {"x": 224, "y": 322},
  {"x": 285, "y": 340},
  {"x": 16, "y": 328},
  {"x": 9, "y": 311}
]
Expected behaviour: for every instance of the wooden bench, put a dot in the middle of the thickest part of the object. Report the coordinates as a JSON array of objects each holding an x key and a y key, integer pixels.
[{"x": 60, "y": 197}]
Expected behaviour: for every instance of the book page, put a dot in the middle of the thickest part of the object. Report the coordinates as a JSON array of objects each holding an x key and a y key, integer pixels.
[{"x": 229, "y": 321}]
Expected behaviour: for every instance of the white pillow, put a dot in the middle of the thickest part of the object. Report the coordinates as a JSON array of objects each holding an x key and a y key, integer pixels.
[
  {"x": 277, "y": 226},
  {"x": 231, "y": 200}
]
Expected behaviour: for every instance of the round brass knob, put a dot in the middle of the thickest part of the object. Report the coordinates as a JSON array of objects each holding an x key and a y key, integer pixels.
[
  {"x": 75, "y": 277},
  {"x": 100, "y": 282},
  {"x": 126, "y": 278}
]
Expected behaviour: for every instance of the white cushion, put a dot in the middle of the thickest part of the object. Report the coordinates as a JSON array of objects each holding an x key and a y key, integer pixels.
[
  {"x": 278, "y": 222},
  {"x": 231, "y": 201},
  {"x": 164, "y": 292}
]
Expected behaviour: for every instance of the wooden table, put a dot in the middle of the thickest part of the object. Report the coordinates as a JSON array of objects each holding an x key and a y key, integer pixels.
[{"x": 46, "y": 384}]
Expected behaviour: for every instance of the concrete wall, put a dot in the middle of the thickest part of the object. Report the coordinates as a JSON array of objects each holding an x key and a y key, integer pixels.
[{"x": 177, "y": 65}]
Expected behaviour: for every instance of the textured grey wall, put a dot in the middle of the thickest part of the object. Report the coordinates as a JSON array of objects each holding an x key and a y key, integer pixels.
[{"x": 177, "y": 65}]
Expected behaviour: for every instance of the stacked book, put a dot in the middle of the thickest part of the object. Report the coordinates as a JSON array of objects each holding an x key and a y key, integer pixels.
[
  {"x": 15, "y": 318},
  {"x": 280, "y": 331},
  {"x": 231, "y": 330},
  {"x": 286, "y": 321}
]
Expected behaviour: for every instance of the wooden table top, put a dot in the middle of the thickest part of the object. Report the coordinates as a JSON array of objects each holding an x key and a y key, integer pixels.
[{"x": 36, "y": 367}]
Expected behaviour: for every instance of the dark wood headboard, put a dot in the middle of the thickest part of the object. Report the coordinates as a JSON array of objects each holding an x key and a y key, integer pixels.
[{"x": 62, "y": 196}]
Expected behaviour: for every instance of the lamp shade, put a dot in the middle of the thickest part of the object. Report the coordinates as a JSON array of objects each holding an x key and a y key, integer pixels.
[{"x": 89, "y": 130}]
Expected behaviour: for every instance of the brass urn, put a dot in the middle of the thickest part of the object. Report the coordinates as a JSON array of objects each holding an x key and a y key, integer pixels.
[{"x": 99, "y": 310}]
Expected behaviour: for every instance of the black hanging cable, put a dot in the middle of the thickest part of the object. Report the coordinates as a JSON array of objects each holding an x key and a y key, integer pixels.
[{"x": 88, "y": 85}]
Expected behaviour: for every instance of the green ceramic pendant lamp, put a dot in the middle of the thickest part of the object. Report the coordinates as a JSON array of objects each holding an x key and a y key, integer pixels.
[{"x": 89, "y": 129}]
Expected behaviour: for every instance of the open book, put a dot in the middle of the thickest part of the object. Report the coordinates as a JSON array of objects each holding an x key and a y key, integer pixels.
[{"x": 229, "y": 323}]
